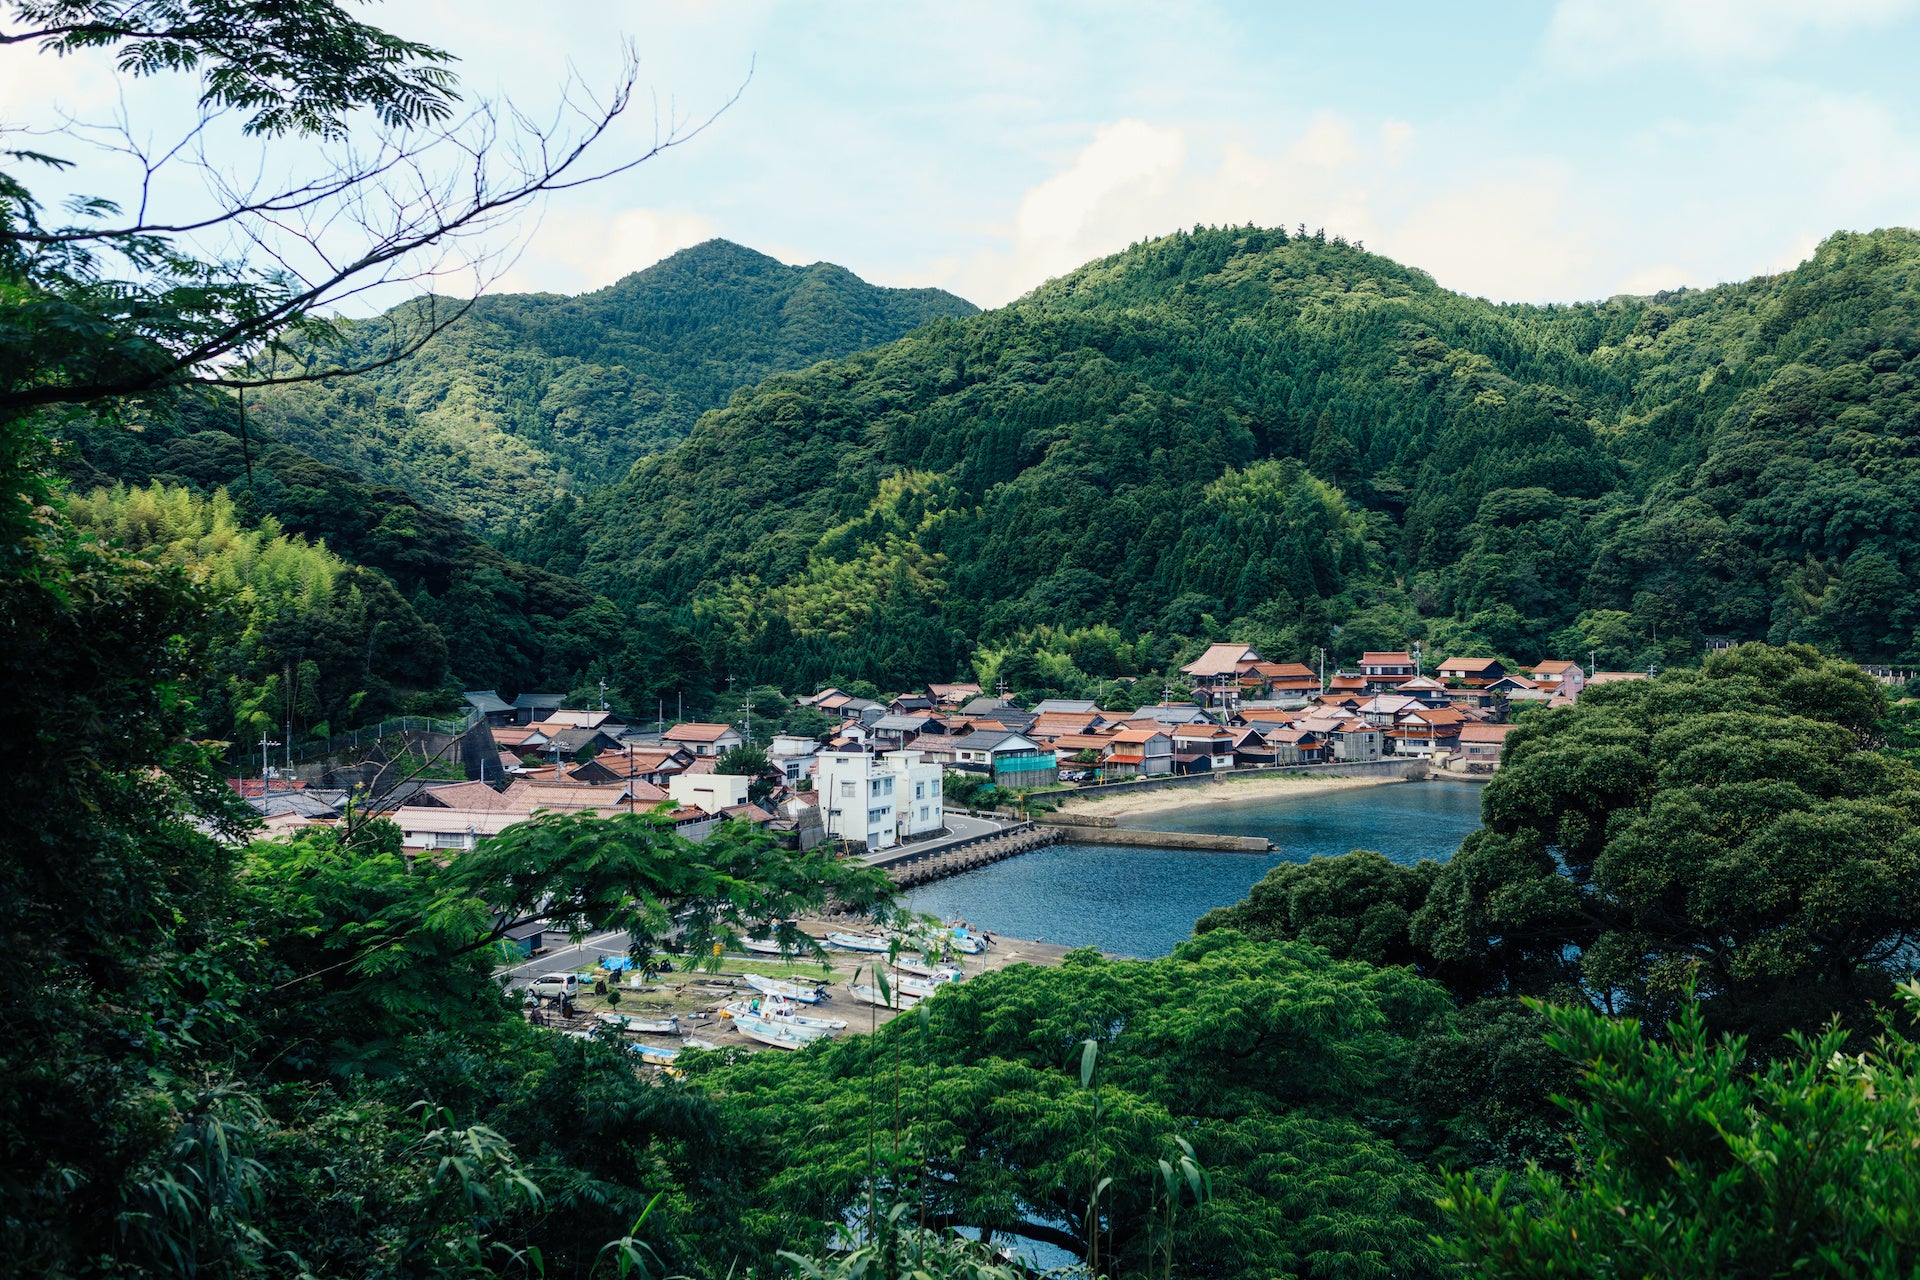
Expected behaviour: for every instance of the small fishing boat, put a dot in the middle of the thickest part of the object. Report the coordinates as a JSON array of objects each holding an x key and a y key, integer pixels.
[
  {"x": 781, "y": 1011},
  {"x": 933, "y": 972},
  {"x": 761, "y": 946},
  {"x": 655, "y": 1057},
  {"x": 871, "y": 995},
  {"x": 804, "y": 992},
  {"x": 967, "y": 942},
  {"x": 691, "y": 1043},
  {"x": 635, "y": 1025},
  {"x": 859, "y": 941},
  {"x": 776, "y": 1033},
  {"x": 919, "y": 988}
]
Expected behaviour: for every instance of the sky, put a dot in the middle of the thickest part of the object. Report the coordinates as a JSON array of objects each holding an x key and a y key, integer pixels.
[{"x": 1523, "y": 152}]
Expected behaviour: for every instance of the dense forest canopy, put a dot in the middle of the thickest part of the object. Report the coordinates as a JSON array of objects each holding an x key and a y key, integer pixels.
[
  {"x": 528, "y": 396},
  {"x": 1285, "y": 438}
]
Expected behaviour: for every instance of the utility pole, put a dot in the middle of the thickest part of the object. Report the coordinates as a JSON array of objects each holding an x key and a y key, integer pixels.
[
  {"x": 659, "y": 715},
  {"x": 1323, "y": 669},
  {"x": 265, "y": 742},
  {"x": 1416, "y": 657},
  {"x": 287, "y": 683},
  {"x": 1593, "y": 663},
  {"x": 746, "y": 719},
  {"x": 603, "y": 693}
]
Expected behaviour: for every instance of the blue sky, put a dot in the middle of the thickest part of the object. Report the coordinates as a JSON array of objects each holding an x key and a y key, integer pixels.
[{"x": 1525, "y": 152}]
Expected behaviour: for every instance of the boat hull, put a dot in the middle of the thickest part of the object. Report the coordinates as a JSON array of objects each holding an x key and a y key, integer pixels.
[
  {"x": 785, "y": 990},
  {"x": 871, "y": 995}
]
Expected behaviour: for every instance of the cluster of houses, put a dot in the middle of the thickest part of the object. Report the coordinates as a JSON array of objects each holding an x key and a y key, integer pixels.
[{"x": 878, "y": 777}]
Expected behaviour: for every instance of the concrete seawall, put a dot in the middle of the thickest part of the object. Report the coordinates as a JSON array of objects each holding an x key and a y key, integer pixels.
[
  {"x": 1405, "y": 770},
  {"x": 1107, "y": 834}
]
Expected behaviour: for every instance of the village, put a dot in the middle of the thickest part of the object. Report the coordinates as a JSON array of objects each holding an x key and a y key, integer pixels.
[{"x": 901, "y": 770}]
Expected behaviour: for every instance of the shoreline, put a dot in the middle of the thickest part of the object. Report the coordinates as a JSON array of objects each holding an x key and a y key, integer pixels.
[{"x": 1223, "y": 791}]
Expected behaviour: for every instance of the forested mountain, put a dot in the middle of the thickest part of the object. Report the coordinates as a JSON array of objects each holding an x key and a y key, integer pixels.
[
  {"x": 530, "y": 395},
  {"x": 395, "y": 599},
  {"x": 1287, "y": 438}
]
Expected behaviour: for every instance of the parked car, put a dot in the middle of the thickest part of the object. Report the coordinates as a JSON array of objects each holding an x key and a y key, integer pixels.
[{"x": 554, "y": 985}]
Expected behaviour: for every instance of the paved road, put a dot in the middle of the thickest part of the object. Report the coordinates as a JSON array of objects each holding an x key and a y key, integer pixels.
[
  {"x": 962, "y": 828},
  {"x": 568, "y": 959}
]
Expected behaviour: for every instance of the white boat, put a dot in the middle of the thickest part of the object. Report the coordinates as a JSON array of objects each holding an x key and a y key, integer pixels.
[
  {"x": 761, "y": 946},
  {"x": 635, "y": 1025},
  {"x": 692, "y": 1043},
  {"x": 919, "y": 988},
  {"x": 932, "y": 972},
  {"x": 871, "y": 995},
  {"x": 779, "y": 1010},
  {"x": 778, "y": 1034},
  {"x": 964, "y": 941},
  {"x": 804, "y": 992},
  {"x": 859, "y": 941},
  {"x": 654, "y": 1056}
]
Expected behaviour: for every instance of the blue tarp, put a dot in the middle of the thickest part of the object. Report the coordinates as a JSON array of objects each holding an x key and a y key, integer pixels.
[{"x": 616, "y": 963}]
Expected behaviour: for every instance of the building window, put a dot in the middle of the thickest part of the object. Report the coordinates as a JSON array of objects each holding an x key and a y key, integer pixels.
[
  {"x": 846, "y": 788},
  {"x": 919, "y": 790}
]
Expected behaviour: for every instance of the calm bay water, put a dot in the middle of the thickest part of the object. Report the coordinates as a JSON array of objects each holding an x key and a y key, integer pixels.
[{"x": 1141, "y": 902}]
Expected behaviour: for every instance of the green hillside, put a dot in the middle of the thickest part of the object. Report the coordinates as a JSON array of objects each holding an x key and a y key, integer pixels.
[
  {"x": 529, "y": 395},
  {"x": 1305, "y": 444},
  {"x": 421, "y": 601}
]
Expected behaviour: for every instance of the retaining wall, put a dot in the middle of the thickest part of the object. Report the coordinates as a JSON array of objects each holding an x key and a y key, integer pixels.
[{"x": 1409, "y": 770}]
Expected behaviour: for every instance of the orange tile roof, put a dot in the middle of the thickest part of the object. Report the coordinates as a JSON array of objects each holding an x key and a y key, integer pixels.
[{"x": 695, "y": 732}]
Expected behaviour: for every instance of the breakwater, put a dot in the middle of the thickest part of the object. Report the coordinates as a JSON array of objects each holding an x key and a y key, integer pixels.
[
  {"x": 912, "y": 869},
  {"x": 1087, "y": 829}
]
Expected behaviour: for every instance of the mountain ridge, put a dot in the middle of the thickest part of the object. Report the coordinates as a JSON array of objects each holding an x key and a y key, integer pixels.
[
  {"x": 529, "y": 396},
  {"x": 1127, "y": 459}
]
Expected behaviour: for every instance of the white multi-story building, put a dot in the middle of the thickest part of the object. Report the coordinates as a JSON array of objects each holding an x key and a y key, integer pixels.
[{"x": 879, "y": 800}]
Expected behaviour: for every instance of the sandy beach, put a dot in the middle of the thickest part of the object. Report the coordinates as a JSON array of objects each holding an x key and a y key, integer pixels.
[{"x": 1225, "y": 791}]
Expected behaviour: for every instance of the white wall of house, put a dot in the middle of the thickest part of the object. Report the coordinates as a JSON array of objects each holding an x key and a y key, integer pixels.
[
  {"x": 709, "y": 791},
  {"x": 876, "y": 800}
]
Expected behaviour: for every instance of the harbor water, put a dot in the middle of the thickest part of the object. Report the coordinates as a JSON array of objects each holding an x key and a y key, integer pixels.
[{"x": 1142, "y": 902}]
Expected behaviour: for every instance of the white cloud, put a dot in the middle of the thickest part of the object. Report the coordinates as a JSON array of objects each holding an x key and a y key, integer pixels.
[
  {"x": 578, "y": 249},
  {"x": 1507, "y": 233},
  {"x": 1602, "y": 35}
]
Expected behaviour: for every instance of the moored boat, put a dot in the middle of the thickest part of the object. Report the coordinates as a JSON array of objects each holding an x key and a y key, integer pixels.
[
  {"x": 653, "y": 1056},
  {"x": 932, "y": 972},
  {"x": 871, "y": 995},
  {"x": 778, "y": 1034},
  {"x": 779, "y": 1010},
  {"x": 804, "y": 992},
  {"x": 636, "y": 1025},
  {"x": 859, "y": 941}
]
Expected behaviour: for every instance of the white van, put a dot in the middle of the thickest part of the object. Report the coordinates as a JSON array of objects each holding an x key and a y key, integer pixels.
[{"x": 553, "y": 985}]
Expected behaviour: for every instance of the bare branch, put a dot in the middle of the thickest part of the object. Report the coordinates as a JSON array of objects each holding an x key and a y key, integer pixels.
[{"x": 405, "y": 210}]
